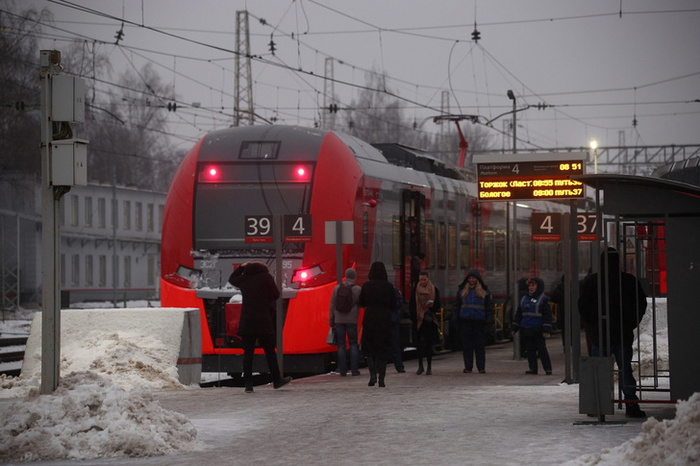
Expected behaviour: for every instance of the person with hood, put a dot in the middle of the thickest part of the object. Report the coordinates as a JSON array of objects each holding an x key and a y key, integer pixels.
[
  {"x": 425, "y": 300},
  {"x": 621, "y": 310},
  {"x": 474, "y": 315},
  {"x": 534, "y": 321},
  {"x": 378, "y": 298},
  {"x": 345, "y": 323},
  {"x": 257, "y": 320}
]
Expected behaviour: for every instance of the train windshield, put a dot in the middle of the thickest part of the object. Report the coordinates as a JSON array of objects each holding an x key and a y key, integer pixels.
[{"x": 227, "y": 193}]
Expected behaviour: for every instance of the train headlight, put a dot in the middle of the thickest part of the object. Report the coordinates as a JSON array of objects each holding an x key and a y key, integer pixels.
[
  {"x": 303, "y": 275},
  {"x": 211, "y": 173},
  {"x": 193, "y": 276},
  {"x": 301, "y": 173}
]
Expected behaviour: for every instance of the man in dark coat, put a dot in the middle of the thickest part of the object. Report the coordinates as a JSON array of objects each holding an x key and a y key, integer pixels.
[
  {"x": 257, "y": 318},
  {"x": 378, "y": 299},
  {"x": 622, "y": 311}
]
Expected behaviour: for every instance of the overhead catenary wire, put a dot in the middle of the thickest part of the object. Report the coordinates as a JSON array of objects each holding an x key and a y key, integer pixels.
[{"x": 408, "y": 102}]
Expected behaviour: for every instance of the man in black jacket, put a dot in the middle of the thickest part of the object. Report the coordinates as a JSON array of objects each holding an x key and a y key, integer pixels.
[
  {"x": 622, "y": 310},
  {"x": 257, "y": 318}
]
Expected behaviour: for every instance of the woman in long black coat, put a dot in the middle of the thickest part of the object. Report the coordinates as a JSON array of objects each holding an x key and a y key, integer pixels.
[
  {"x": 377, "y": 297},
  {"x": 257, "y": 318}
]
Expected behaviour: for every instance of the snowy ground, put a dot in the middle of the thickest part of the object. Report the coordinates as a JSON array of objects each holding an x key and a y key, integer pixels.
[{"x": 98, "y": 414}]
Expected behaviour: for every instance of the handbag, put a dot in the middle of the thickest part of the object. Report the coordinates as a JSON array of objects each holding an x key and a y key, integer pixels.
[{"x": 332, "y": 338}]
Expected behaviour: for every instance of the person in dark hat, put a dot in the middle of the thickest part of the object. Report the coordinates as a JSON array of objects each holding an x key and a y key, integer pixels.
[
  {"x": 378, "y": 299},
  {"x": 257, "y": 318}
]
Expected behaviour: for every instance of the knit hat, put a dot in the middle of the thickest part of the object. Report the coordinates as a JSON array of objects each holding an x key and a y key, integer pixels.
[{"x": 351, "y": 274}]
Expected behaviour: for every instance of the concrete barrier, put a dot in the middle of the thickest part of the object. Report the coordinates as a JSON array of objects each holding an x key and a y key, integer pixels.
[{"x": 160, "y": 347}]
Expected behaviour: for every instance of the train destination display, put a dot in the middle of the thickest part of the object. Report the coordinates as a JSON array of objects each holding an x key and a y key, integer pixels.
[{"x": 535, "y": 176}]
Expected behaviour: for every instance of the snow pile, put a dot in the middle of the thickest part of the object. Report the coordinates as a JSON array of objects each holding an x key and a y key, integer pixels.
[
  {"x": 645, "y": 343},
  {"x": 132, "y": 347},
  {"x": 672, "y": 442},
  {"x": 89, "y": 417}
]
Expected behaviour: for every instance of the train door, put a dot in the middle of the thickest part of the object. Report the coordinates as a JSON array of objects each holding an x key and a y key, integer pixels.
[{"x": 412, "y": 232}]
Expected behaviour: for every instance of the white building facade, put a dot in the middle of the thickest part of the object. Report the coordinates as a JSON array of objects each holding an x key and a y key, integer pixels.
[{"x": 110, "y": 243}]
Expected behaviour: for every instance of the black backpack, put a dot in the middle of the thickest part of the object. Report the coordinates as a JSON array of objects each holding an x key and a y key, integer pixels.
[{"x": 343, "y": 299}]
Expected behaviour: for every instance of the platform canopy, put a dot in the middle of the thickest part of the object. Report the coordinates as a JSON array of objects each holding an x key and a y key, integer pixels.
[
  {"x": 677, "y": 206},
  {"x": 630, "y": 196}
]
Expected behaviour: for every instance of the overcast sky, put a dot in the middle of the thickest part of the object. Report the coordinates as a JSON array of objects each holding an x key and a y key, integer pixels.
[{"x": 597, "y": 65}]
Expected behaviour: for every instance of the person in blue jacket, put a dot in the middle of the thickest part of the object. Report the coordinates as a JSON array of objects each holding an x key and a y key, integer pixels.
[
  {"x": 534, "y": 321},
  {"x": 474, "y": 316}
]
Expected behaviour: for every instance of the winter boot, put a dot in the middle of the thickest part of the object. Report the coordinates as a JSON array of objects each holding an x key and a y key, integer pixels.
[
  {"x": 430, "y": 362},
  {"x": 372, "y": 372},
  {"x": 633, "y": 410},
  {"x": 420, "y": 366},
  {"x": 381, "y": 370}
]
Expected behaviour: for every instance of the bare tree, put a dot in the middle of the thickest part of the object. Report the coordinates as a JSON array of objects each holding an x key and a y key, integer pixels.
[
  {"x": 20, "y": 109},
  {"x": 128, "y": 143},
  {"x": 376, "y": 117}
]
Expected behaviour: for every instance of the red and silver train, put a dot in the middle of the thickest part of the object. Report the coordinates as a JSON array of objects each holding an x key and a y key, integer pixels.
[{"x": 402, "y": 204}]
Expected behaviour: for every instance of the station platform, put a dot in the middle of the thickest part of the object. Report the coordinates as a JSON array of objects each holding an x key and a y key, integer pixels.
[{"x": 502, "y": 417}]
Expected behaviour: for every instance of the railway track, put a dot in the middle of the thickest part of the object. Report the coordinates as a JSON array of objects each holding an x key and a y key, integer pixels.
[{"x": 8, "y": 354}]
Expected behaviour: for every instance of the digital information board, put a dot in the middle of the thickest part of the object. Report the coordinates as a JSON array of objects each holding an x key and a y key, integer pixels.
[{"x": 505, "y": 177}]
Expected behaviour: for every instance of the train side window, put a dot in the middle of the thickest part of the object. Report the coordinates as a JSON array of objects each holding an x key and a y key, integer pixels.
[
  {"x": 441, "y": 246},
  {"x": 584, "y": 257},
  {"x": 489, "y": 249},
  {"x": 525, "y": 252},
  {"x": 464, "y": 246},
  {"x": 500, "y": 250},
  {"x": 429, "y": 244},
  {"x": 560, "y": 260},
  {"x": 452, "y": 246},
  {"x": 396, "y": 242}
]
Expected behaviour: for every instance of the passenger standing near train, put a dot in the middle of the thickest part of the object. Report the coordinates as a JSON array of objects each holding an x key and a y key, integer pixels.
[
  {"x": 377, "y": 297},
  {"x": 425, "y": 300},
  {"x": 623, "y": 309},
  {"x": 534, "y": 321},
  {"x": 342, "y": 316},
  {"x": 474, "y": 315},
  {"x": 257, "y": 318}
]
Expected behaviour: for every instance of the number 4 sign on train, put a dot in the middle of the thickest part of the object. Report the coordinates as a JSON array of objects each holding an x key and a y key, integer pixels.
[
  {"x": 295, "y": 228},
  {"x": 546, "y": 226}
]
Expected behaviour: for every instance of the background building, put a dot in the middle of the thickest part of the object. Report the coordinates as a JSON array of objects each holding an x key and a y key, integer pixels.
[{"x": 110, "y": 243}]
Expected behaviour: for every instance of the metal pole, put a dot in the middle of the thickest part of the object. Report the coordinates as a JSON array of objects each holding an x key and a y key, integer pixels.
[
  {"x": 515, "y": 130},
  {"x": 50, "y": 236},
  {"x": 572, "y": 314},
  {"x": 339, "y": 250},
  {"x": 515, "y": 296},
  {"x": 567, "y": 238},
  {"x": 277, "y": 233}
]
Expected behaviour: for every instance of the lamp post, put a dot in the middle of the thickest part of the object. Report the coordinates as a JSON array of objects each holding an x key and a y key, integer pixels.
[
  {"x": 510, "y": 243},
  {"x": 594, "y": 146},
  {"x": 511, "y": 96}
]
